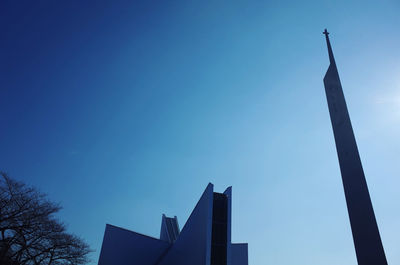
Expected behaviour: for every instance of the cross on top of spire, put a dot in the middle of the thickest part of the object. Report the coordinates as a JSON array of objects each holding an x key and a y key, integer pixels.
[{"x": 331, "y": 58}]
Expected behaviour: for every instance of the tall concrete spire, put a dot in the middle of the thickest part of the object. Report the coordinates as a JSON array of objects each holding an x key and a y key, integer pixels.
[{"x": 367, "y": 241}]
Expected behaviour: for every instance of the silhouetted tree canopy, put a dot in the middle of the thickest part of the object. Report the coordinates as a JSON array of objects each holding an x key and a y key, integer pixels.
[{"x": 29, "y": 232}]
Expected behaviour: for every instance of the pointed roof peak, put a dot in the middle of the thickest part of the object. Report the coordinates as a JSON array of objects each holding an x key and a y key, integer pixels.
[{"x": 328, "y": 43}]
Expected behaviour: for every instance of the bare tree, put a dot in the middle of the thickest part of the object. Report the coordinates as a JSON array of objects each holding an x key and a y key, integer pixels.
[{"x": 29, "y": 232}]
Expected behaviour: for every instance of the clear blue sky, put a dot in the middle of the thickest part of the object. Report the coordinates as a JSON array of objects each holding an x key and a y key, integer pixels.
[{"x": 124, "y": 110}]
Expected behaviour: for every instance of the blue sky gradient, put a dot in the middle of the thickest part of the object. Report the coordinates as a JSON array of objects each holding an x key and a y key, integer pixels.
[{"x": 124, "y": 110}]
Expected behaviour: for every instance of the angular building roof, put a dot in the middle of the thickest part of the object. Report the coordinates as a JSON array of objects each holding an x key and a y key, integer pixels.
[{"x": 205, "y": 239}]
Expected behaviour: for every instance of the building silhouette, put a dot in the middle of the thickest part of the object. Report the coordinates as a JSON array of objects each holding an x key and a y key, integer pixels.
[
  {"x": 367, "y": 241},
  {"x": 205, "y": 239}
]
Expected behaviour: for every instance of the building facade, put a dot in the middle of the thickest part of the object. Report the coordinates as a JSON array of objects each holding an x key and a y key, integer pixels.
[{"x": 205, "y": 239}]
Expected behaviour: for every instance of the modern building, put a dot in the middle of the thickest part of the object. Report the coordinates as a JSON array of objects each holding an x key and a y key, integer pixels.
[
  {"x": 205, "y": 239},
  {"x": 367, "y": 241}
]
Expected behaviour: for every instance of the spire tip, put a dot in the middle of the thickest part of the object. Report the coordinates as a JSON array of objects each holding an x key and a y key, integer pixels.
[{"x": 328, "y": 43}]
